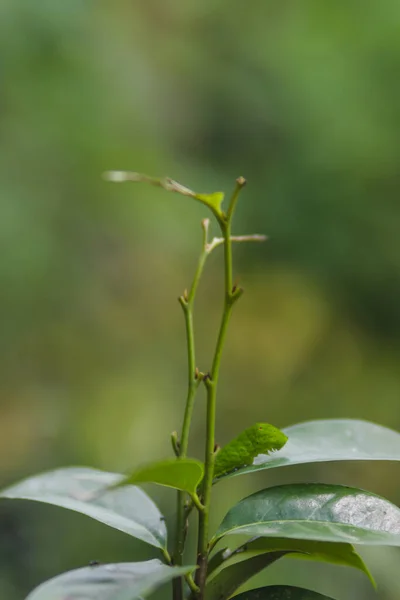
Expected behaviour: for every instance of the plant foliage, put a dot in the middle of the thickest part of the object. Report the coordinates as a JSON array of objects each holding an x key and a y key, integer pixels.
[{"x": 309, "y": 521}]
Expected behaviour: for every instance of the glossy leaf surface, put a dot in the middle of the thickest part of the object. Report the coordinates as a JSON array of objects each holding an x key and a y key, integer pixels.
[
  {"x": 329, "y": 552},
  {"x": 182, "y": 474},
  {"x": 281, "y": 592},
  {"x": 329, "y": 440},
  {"x": 227, "y": 581},
  {"x": 127, "y": 509},
  {"x": 319, "y": 512},
  {"x": 122, "y": 581}
]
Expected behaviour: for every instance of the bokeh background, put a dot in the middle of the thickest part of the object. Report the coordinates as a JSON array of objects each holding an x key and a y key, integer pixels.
[{"x": 302, "y": 98}]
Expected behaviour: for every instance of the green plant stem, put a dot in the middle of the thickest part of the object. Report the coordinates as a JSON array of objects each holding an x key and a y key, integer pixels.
[
  {"x": 191, "y": 583},
  {"x": 166, "y": 556},
  {"x": 187, "y": 302},
  {"x": 211, "y": 382}
]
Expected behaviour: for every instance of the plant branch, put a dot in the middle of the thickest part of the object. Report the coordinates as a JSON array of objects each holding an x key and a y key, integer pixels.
[
  {"x": 211, "y": 381},
  {"x": 256, "y": 237},
  {"x": 194, "y": 378},
  {"x": 196, "y": 502},
  {"x": 191, "y": 583}
]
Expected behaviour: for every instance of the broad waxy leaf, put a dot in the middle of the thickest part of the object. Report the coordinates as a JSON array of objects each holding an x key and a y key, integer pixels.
[
  {"x": 179, "y": 473},
  {"x": 213, "y": 200},
  {"x": 319, "y": 512},
  {"x": 227, "y": 581},
  {"x": 122, "y": 581},
  {"x": 281, "y": 592},
  {"x": 334, "y": 553},
  {"x": 329, "y": 440},
  {"x": 241, "y": 451},
  {"x": 127, "y": 509}
]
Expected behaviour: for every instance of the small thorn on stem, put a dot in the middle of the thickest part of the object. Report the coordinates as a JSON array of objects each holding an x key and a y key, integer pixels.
[
  {"x": 185, "y": 295},
  {"x": 196, "y": 373},
  {"x": 217, "y": 448}
]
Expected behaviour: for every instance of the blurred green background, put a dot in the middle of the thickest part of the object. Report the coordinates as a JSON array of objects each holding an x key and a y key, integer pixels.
[{"x": 303, "y": 99}]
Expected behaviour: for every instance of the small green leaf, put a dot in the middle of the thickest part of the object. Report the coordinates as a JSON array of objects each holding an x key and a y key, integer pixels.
[
  {"x": 241, "y": 451},
  {"x": 329, "y": 440},
  {"x": 213, "y": 200},
  {"x": 319, "y": 512},
  {"x": 125, "y": 581},
  {"x": 225, "y": 583},
  {"x": 281, "y": 592},
  {"x": 180, "y": 473},
  {"x": 329, "y": 552},
  {"x": 77, "y": 488}
]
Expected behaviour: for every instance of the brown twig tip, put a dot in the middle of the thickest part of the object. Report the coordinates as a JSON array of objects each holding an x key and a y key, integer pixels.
[
  {"x": 241, "y": 181},
  {"x": 235, "y": 286},
  {"x": 205, "y": 223}
]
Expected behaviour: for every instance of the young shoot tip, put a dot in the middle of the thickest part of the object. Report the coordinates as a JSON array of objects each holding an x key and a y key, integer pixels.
[
  {"x": 205, "y": 223},
  {"x": 115, "y": 176}
]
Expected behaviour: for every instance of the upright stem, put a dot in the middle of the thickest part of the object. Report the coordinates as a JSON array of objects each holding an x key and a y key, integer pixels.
[
  {"x": 187, "y": 301},
  {"x": 211, "y": 382}
]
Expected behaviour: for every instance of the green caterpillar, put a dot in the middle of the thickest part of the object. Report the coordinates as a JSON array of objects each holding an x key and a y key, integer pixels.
[{"x": 261, "y": 438}]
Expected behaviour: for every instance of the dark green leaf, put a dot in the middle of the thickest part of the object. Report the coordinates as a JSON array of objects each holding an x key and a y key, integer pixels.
[
  {"x": 241, "y": 451},
  {"x": 180, "y": 473},
  {"x": 319, "y": 512},
  {"x": 281, "y": 592},
  {"x": 227, "y": 581},
  {"x": 218, "y": 559},
  {"x": 127, "y": 509},
  {"x": 329, "y": 440},
  {"x": 330, "y": 552},
  {"x": 123, "y": 581}
]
